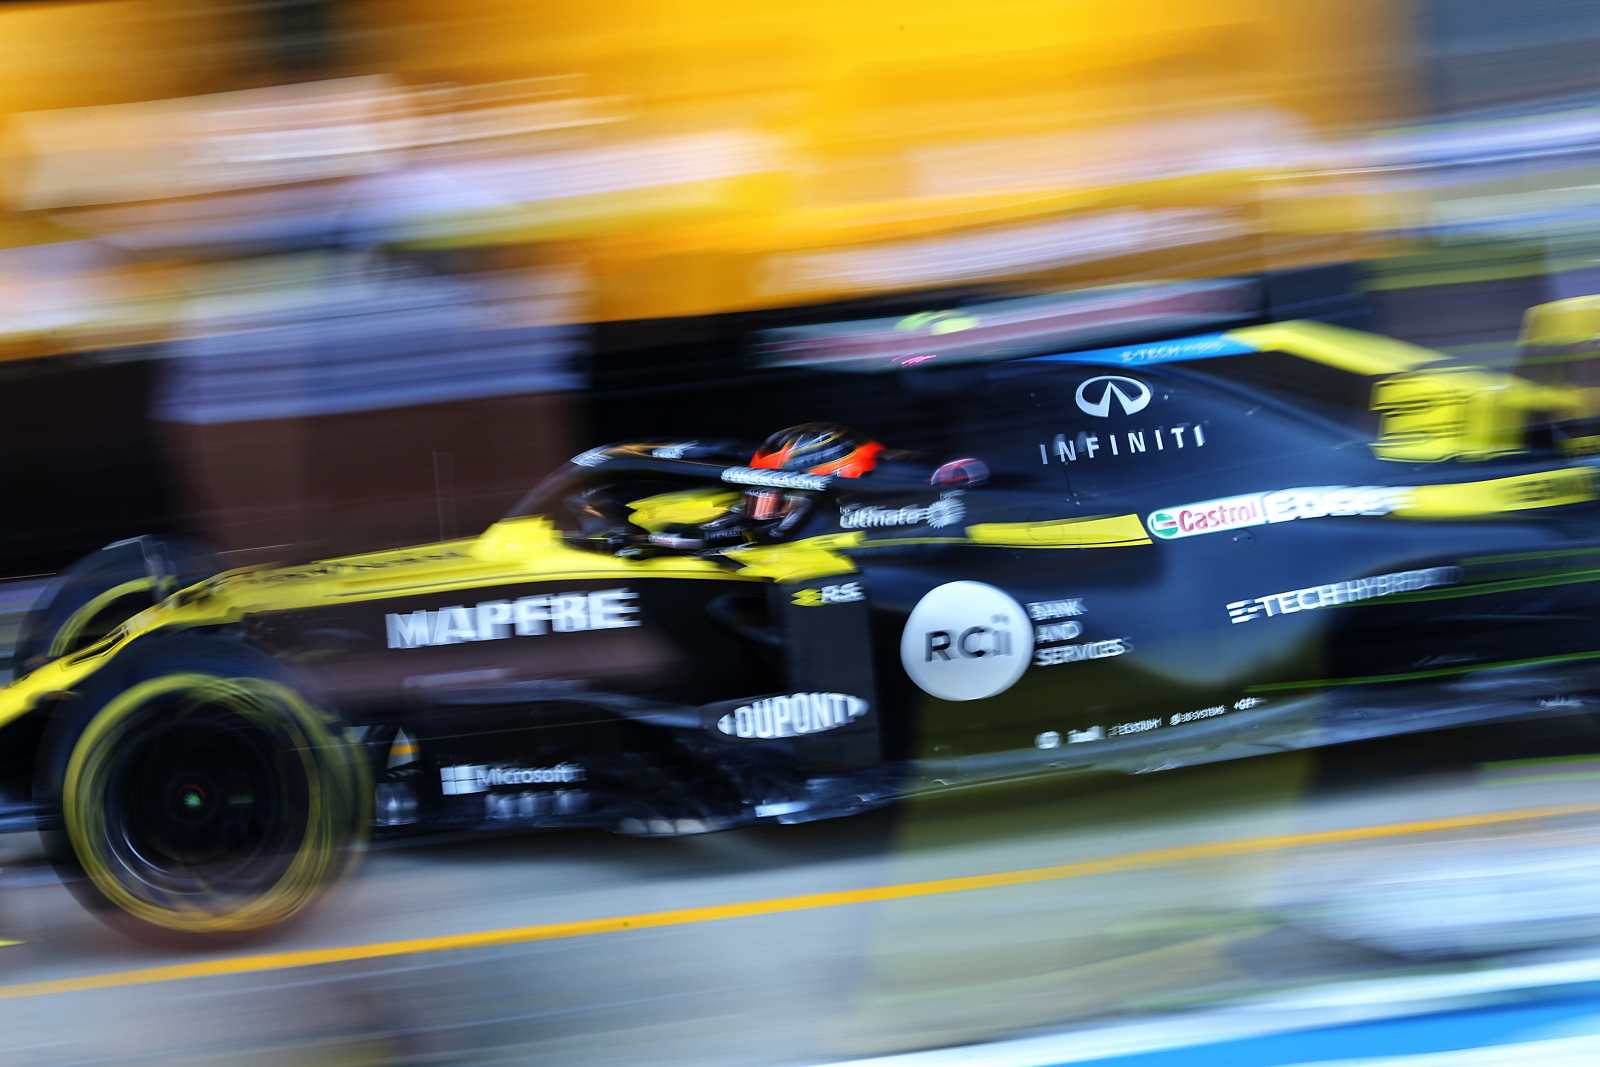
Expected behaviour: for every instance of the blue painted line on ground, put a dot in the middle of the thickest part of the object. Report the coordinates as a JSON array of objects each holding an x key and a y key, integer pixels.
[{"x": 1437, "y": 1032}]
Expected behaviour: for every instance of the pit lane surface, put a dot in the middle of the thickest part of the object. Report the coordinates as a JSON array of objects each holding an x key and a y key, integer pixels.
[{"x": 1161, "y": 892}]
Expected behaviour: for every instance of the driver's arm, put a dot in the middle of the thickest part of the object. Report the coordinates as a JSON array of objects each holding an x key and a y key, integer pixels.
[
  {"x": 726, "y": 531},
  {"x": 736, "y": 528}
]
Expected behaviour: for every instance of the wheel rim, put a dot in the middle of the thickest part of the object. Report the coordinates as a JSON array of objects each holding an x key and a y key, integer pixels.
[{"x": 202, "y": 804}]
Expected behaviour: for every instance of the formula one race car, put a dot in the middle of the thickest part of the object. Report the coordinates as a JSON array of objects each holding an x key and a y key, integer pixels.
[{"x": 1142, "y": 556}]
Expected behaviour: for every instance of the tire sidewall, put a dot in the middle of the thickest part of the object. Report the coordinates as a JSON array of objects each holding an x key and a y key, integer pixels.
[{"x": 84, "y": 730}]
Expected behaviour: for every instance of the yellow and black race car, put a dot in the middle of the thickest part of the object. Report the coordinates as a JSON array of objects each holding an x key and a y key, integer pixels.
[{"x": 1140, "y": 557}]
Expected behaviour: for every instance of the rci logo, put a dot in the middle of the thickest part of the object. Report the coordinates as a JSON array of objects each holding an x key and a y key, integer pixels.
[
  {"x": 966, "y": 641},
  {"x": 845, "y": 593}
]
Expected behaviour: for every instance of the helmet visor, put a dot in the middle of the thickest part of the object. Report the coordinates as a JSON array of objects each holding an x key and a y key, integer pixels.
[{"x": 764, "y": 503}]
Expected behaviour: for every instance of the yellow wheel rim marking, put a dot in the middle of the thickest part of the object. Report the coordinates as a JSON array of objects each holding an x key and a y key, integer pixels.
[{"x": 83, "y": 801}]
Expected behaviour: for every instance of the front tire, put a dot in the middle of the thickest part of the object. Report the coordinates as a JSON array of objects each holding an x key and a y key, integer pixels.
[{"x": 202, "y": 794}]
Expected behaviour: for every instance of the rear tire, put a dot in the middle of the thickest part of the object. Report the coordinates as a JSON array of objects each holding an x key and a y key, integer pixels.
[{"x": 199, "y": 793}]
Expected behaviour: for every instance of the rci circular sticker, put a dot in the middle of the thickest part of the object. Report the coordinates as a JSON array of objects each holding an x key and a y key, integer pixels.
[{"x": 966, "y": 641}]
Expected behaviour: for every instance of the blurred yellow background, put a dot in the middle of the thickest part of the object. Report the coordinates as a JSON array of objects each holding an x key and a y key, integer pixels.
[{"x": 685, "y": 158}]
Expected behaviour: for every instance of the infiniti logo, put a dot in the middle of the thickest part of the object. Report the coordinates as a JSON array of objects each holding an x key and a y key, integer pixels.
[{"x": 1132, "y": 396}]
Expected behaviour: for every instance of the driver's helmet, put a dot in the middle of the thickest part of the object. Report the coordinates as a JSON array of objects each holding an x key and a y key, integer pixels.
[{"x": 810, "y": 448}]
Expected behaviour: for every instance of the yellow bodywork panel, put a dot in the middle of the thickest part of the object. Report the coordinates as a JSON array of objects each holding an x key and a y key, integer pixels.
[
  {"x": 1467, "y": 413},
  {"x": 531, "y": 549},
  {"x": 688, "y": 508},
  {"x": 1110, "y": 532},
  {"x": 1429, "y": 409},
  {"x": 798, "y": 562},
  {"x": 1573, "y": 321},
  {"x": 1522, "y": 492},
  {"x": 1334, "y": 346}
]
